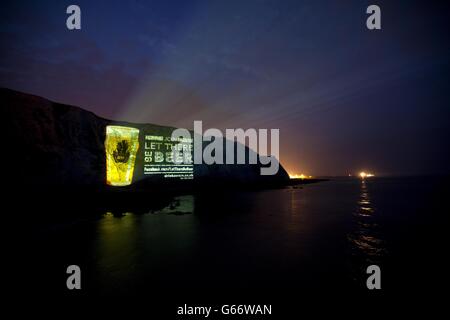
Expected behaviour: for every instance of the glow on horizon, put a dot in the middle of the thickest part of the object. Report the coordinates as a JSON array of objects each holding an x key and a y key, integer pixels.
[
  {"x": 299, "y": 176},
  {"x": 363, "y": 174}
]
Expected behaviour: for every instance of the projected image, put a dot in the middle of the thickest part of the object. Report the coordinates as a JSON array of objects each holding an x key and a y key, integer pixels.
[
  {"x": 121, "y": 146},
  {"x": 168, "y": 157}
]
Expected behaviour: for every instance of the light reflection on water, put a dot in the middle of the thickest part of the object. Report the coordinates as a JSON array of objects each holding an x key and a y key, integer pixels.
[
  {"x": 117, "y": 245},
  {"x": 130, "y": 247},
  {"x": 276, "y": 230},
  {"x": 318, "y": 236},
  {"x": 365, "y": 242}
]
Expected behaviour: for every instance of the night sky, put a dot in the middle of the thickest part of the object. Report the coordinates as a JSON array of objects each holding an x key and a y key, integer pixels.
[{"x": 344, "y": 98}]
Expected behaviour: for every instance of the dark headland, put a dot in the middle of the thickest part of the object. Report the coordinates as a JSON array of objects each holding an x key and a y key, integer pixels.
[{"x": 56, "y": 149}]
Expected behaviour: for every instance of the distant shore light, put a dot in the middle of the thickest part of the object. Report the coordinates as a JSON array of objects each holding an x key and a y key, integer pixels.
[
  {"x": 363, "y": 174},
  {"x": 299, "y": 176}
]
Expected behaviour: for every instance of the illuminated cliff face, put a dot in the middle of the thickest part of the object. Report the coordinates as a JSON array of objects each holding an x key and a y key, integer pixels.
[{"x": 121, "y": 146}]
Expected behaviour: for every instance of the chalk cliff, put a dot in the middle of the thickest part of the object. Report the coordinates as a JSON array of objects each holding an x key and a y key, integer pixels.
[{"x": 51, "y": 144}]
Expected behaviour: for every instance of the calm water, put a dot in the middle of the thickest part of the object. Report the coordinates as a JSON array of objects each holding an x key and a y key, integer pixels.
[{"x": 320, "y": 236}]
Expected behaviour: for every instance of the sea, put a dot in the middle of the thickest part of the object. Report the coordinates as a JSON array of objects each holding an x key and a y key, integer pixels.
[{"x": 315, "y": 239}]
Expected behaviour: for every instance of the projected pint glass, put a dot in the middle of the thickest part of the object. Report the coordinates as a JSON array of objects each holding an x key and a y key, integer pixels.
[{"x": 121, "y": 145}]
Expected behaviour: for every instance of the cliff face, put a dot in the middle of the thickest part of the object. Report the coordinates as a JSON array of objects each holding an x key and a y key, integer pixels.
[{"x": 51, "y": 144}]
